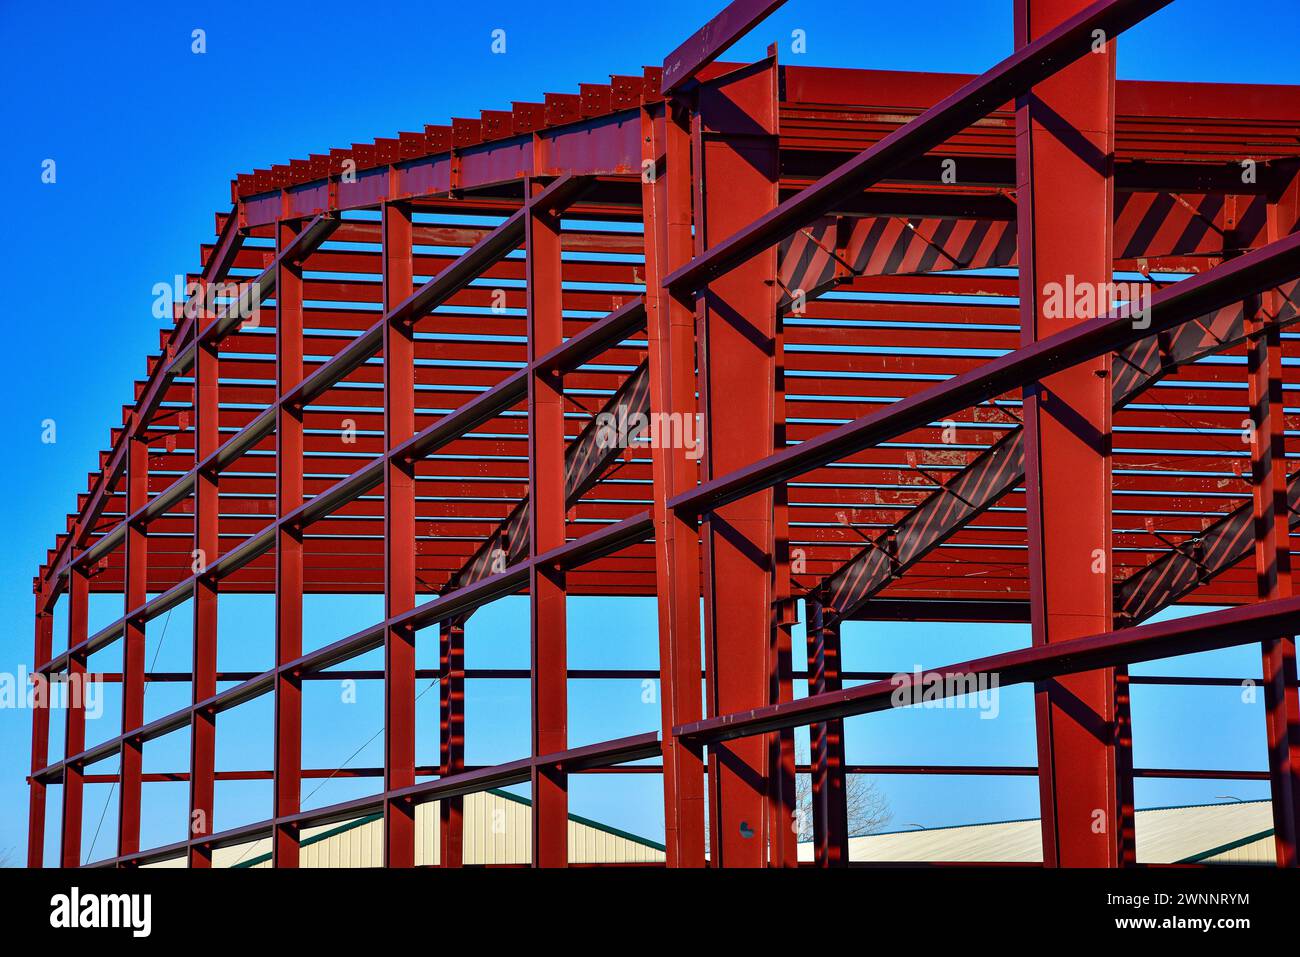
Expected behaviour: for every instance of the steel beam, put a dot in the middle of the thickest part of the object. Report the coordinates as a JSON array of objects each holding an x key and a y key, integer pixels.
[
  {"x": 133, "y": 644},
  {"x": 783, "y": 810},
  {"x": 160, "y": 376},
  {"x": 42, "y": 647},
  {"x": 666, "y": 202},
  {"x": 586, "y": 459},
  {"x": 287, "y": 735},
  {"x": 1000, "y": 468},
  {"x": 74, "y": 739},
  {"x": 617, "y": 751},
  {"x": 546, "y": 475},
  {"x": 712, "y": 40},
  {"x": 451, "y": 750},
  {"x": 181, "y": 350},
  {"x": 829, "y": 787},
  {"x": 1065, "y": 133},
  {"x": 1264, "y": 268},
  {"x": 1208, "y": 631},
  {"x": 1271, "y": 526},
  {"x": 735, "y": 154},
  {"x": 399, "y": 538},
  {"x": 207, "y": 508},
  {"x": 1030, "y": 64}
]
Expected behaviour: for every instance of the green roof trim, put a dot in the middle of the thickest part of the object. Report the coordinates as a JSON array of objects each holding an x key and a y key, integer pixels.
[
  {"x": 362, "y": 821},
  {"x": 1224, "y": 848},
  {"x": 656, "y": 846},
  {"x": 323, "y": 835},
  {"x": 1022, "y": 820},
  {"x": 579, "y": 819}
]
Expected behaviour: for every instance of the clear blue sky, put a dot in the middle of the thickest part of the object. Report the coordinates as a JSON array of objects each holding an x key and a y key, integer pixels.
[{"x": 146, "y": 136}]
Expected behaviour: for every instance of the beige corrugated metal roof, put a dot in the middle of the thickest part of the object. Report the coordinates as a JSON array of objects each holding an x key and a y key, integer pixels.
[
  {"x": 1238, "y": 832},
  {"x": 496, "y": 831}
]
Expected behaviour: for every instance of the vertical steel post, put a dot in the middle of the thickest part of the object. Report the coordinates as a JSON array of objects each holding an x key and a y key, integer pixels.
[
  {"x": 399, "y": 539},
  {"x": 287, "y": 772},
  {"x": 782, "y": 809},
  {"x": 203, "y": 726},
  {"x": 74, "y": 739},
  {"x": 451, "y": 707},
  {"x": 1123, "y": 737},
  {"x": 736, "y": 161},
  {"x": 133, "y": 641},
  {"x": 666, "y": 204},
  {"x": 43, "y": 647},
  {"x": 1065, "y": 129},
  {"x": 829, "y": 788},
  {"x": 1272, "y": 533},
  {"x": 546, "y": 526}
]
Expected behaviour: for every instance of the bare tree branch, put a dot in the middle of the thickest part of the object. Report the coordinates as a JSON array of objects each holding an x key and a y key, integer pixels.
[{"x": 868, "y": 807}]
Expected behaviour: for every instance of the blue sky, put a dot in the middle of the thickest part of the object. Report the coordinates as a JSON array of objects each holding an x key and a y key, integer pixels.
[{"x": 146, "y": 136}]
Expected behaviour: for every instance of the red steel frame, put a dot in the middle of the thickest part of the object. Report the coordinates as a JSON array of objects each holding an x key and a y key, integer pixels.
[{"x": 755, "y": 188}]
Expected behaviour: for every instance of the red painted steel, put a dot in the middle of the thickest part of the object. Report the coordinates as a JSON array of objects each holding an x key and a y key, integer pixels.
[
  {"x": 399, "y": 540},
  {"x": 1204, "y": 632},
  {"x": 74, "y": 776},
  {"x": 451, "y": 752},
  {"x": 1182, "y": 302},
  {"x": 735, "y": 158},
  {"x": 782, "y": 798},
  {"x": 40, "y": 744},
  {"x": 546, "y": 475},
  {"x": 1065, "y": 131},
  {"x": 287, "y": 786},
  {"x": 829, "y": 797},
  {"x": 1040, "y": 58},
  {"x": 1271, "y": 526},
  {"x": 207, "y": 523},
  {"x": 712, "y": 40},
  {"x": 666, "y": 199},
  {"x": 131, "y": 755},
  {"x": 826, "y": 421}
]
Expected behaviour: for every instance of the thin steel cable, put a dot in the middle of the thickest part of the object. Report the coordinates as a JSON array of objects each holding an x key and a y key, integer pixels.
[
  {"x": 325, "y": 780},
  {"x": 113, "y": 785}
]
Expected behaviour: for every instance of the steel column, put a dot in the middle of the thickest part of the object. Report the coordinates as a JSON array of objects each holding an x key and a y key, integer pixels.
[
  {"x": 451, "y": 758},
  {"x": 74, "y": 739},
  {"x": 399, "y": 539},
  {"x": 546, "y": 525},
  {"x": 829, "y": 788},
  {"x": 43, "y": 646},
  {"x": 287, "y": 786},
  {"x": 1065, "y": 130},
  {"x": 736, "y": 165},
  {"x": 782, "y": 808},
  {"x": 1273, "y": 538},
  {"x": 666, "y": 201},
  {"x": 133, "y": 642},
  {"x": 207, "y": 506}
]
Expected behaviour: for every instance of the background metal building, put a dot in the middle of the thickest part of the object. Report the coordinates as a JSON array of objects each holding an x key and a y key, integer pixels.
[
  {"x": 948, "y": 457},
  {"x": 1232, "y": 833},
  {"x": 495, "y": 831}
]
